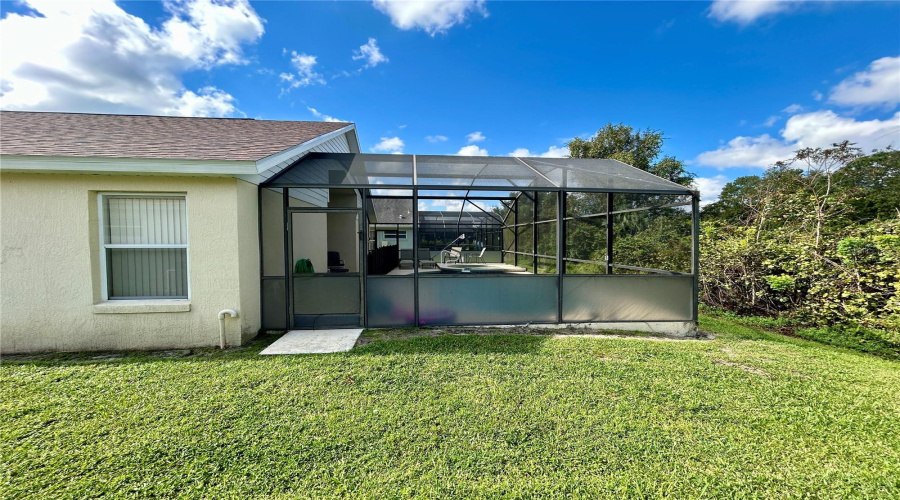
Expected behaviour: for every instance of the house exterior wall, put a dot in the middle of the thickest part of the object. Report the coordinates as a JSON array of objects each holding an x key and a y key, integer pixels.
[{"x": 50, "y": 269}]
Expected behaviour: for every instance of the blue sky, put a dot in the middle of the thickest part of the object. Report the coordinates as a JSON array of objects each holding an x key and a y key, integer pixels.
[{"x": 734, "y": 85}]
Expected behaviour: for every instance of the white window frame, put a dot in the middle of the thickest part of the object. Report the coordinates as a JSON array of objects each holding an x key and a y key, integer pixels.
[
  {"x": 101, "y": 218},
  {"x": 401, "y": 234}
]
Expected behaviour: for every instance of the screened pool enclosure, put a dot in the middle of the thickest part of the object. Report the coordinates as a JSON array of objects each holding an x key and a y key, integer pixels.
[{"x": 403, "y": 240}]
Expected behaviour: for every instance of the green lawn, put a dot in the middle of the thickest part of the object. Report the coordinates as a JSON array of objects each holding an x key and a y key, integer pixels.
[{"x": 749, "y": 414}]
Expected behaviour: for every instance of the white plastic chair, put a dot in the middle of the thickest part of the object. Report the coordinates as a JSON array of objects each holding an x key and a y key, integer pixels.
[{"x": 455, "y": 255}]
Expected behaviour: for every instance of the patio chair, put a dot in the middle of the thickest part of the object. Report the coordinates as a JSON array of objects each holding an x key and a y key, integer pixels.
[
  {"x": 406, "y": 259},
  {"x": 455, "y": 255},
  {"x": 425, "y": 260},
  {"x": 479, "y": 257},
  {"x": 335, "y": 264}
]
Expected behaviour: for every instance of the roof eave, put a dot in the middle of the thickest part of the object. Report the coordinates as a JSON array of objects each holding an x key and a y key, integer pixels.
[
  {"x": 92, "y": 164},
  {"x": 274, "y": 160}
]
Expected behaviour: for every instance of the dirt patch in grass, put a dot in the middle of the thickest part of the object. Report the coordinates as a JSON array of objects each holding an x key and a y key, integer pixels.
[{"x": 746, "y": 368}]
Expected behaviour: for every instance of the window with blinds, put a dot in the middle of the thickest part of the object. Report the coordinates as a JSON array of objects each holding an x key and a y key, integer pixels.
[{"x": 144, "y": 246}]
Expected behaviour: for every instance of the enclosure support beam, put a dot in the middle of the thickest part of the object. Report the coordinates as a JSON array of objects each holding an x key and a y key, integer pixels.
[
  {"x": 516, "y": 232},
  {"x": 534, "y": 236},
  {"x": 695, "y": 253},
  {"x": 560, "y": 251},
  {"x": 415, "y": 245},
  {"x": 364, "y": 257},
  {"x": 287, "y": 221},
  {"x": 609, "y": 233}
]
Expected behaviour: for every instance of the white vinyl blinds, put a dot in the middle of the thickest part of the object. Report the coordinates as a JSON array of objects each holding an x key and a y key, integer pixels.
[{"x": 145, "y": 246}]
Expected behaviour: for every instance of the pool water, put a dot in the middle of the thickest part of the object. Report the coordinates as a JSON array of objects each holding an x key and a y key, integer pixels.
[{"x": 480, "y": 268}]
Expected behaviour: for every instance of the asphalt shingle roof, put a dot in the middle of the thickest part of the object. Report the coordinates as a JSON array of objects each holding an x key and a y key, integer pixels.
[{"x": 161, "y": 137}]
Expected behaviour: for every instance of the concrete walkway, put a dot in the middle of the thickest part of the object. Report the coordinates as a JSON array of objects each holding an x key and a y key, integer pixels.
[{"x": 314, "y": 341}]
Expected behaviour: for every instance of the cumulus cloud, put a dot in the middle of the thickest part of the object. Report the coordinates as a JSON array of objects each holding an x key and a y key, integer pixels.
[
  {"x": 389, "y": 145},
  {"x": 472, "y": 150},
  {"x": 92, "y": 56},
  {"x": 315, "y": 112},
  {"x": 436, "y": 138},
  {"x": 305, "y": 73},
  {"x": 371, "y": 53},
  {"x": 476, "y": 136},
  {"x": 710, "y": 188},
  {"x": 455, "y": 206},
  {"x": 552, "y": 152},
  {"x": 431, "y": 16},
  {"x": 817, "y": 129},
  {"x": 876, "y": 86},
  {"x": 771, "y": 121},
  {"x": 747, "y": 11}
]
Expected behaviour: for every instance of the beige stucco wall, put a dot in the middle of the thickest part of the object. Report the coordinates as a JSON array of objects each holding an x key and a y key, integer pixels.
[{"x": 49, "y": 269}]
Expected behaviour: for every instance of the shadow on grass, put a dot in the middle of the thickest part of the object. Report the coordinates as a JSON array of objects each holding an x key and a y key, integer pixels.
[
  {"x": 406, "y": 342},
  {"x": 247, "y": 351},
  {"x": 453, "y": 344}
]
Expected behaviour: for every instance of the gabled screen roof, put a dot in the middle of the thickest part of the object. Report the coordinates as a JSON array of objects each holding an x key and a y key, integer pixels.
[{"x": 350, "y": 170}]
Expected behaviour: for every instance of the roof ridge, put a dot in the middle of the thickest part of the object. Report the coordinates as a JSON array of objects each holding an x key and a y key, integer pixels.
[{"x": 138, "y": 115}]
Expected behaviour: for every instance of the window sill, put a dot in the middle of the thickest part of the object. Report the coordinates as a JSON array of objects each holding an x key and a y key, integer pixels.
[{"x": 142, "y": 306}]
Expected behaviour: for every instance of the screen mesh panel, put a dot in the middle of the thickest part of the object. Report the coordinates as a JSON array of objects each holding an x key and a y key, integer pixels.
[
  {"x": 476, "y": 171},
  {"x": 390, "y": 301},
  {"x": 455, "y": 172},
  {"x": 627, "y": 298},
  {"x": 473, "y": 300},
  {"x": 588, "y": 173}
]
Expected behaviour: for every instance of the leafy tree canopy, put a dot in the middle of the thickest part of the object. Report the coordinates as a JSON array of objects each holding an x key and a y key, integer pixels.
[{"x": 638, "y": 148}]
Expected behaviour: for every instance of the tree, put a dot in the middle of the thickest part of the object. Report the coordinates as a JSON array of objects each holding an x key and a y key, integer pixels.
[
  {"x": 641, "y": 149},
  {"x": 819, "y": 168},
  {"x": 875, "y": 183}
]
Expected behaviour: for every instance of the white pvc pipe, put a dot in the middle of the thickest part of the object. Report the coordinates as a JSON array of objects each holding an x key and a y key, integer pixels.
[{"x": 222, "y": 313}]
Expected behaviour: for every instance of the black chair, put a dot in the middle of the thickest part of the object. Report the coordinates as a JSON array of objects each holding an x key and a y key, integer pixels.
[
  {"x": 335, "y": 264},
  {"x": 425, "y": 260}
]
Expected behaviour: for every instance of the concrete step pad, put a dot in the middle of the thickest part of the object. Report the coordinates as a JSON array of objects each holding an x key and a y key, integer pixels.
[{"x": 314, "y": 341}]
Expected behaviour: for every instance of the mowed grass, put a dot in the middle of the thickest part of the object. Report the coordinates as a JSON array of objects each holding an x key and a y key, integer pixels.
[{"x": 749, "y": 414}]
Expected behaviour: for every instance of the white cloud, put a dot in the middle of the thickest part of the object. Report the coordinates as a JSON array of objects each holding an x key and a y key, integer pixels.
[
  {"x": 792, "y": 109},
  {"x": 440, "y": 205},
  {"x": 472, "y": 150},
  {"x": 552, "y": 152},
  {"x": 455, "y": 206},
  {"x": 818, "y": 96},
  {"x": 817, "y": 129},
  {"x": 710, "y": 188},
  {"x": 771, "y": 121},
  {"x": 92, "y": 56},
  {"x": 389, "y": 145},
  {"x": 371, "y": 53},
  {"x": 746, "y": 11},
  {"x": 305, "y": 71},
  {"x": 210, "y": 101},
  {"x": 877, "y": 85},
  {"x": 436, "y": 138},
  {"x": 323, "y": 116},
  {"x": 431, "y": 16},
  {"x": 476, "y": 136}
]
